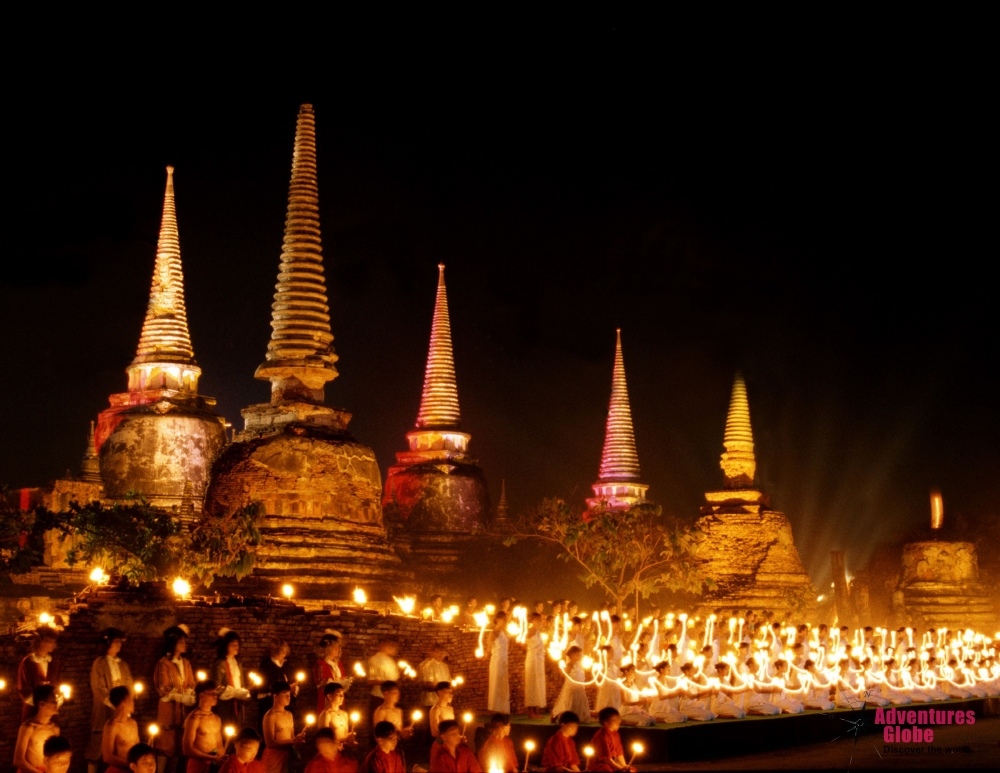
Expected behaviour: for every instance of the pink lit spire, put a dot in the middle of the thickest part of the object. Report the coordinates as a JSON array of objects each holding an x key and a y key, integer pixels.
[
  {"x": 618, "y": 486},
  {"x": 439, "y": 402}
]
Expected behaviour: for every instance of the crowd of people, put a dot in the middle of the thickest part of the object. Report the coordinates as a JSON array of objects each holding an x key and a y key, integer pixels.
[{"x": 661, "y": 669}]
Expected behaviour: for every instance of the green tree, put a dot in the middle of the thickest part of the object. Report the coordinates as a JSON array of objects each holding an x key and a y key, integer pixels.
[{"x": 631, "y": 553}]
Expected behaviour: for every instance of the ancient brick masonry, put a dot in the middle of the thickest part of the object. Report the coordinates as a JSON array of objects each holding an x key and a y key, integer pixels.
[
  {"x": 146, "y": 617},
  {"x": 941, "y": 589}
]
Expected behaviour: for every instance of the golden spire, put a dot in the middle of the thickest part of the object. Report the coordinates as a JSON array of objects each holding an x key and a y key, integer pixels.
[
  {"x": 619, "y": 460},
  {"x": 90, "y": 469},
  {"x": 439, "y": 401},
  {"x": 300, "y": 356},
  {"x": 738, "y": 462},
  {"x": 165, "y": 337}
]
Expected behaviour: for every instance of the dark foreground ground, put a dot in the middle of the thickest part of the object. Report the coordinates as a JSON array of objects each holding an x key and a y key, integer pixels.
[{"x": 955, "y": 747}]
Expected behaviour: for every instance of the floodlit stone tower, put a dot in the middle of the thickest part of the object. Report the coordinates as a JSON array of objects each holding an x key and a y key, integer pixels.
[
  {"x": 618, "y": 486},
  {"x": 161, "y": 434},
  {"x": 436, "y": 491},
  {"x": 748, "y": 548},
  {"x": 320, "y": 488}
]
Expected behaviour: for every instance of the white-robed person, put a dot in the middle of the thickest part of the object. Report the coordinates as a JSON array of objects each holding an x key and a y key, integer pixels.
[
  {"x": 573, "y": 695},
  {"x": 665, "y": 707},
  {"x": 946, "y": 679},
  {"x": 608, "y": 693},
  {"x": 926, "y": 682},
  {"x": 850, "y": 690},
  {"x": 634, "y": 710},
  {"x": 692, "y": 706},
  {"x": 755, "y": 700},
  {"x": 818, "y": 695},
  {"x": 722, "y": 703},
  {"x": 883, "y": 682},
  {"x": 431, "y": 672},
  {"x": 499, "y": 689},
  {"x": 534, "y": 668}
]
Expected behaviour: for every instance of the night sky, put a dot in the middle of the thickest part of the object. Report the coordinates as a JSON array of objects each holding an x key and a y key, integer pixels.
[{"x": 822, "y": 226}]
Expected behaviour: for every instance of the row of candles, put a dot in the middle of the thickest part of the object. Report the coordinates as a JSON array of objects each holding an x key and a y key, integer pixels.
[{"x": 588, "y": 752}]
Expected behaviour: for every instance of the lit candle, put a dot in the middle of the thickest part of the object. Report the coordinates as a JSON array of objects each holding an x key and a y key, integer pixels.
[
  {"x": 300, "y": 676},
  {"x": 287, "y": 591},
  {"x": 66, "y": 691},
  {"x": 636, "y": 749},
  {"x": 3, "y": 684},
  {"x": 529, "y": 747},
  {"x": 457, "y": 681},
  {"x": 255, "y": 678},
  {"x": 138, "y": 687},
  {"x": 588, "y": 752},
  {"x": 360, "y": 597},
  {"x": 45, "y": 618},
  {"x": 310, "y": 719},
  {"x": 230, "y": 731},
  {"x": 355, "y": 717},
  {"x": 359, "y": 670},
  {"x": 416, "y": 716},
  {"x": 182, "y": 588},
  {"x": 153, "y": 730},
  {"x": 201, "y": 676},
  {"x": 467, "y": 718}
]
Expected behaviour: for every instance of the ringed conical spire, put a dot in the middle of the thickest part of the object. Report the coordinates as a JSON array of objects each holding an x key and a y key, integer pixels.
[
  {"x": 619, "y": 460},
  {"x": 90, "y": 468},
  {"x": 300, "y": 354},
  {"x": 439, "y": 401},
  {"x": 739, "y": 464},
  {"x": 618, "y": 483},
  {"x": 165, "y": 337}
]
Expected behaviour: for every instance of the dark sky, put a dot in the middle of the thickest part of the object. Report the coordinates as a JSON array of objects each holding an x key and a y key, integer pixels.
[{"x": 822, "y": 222}]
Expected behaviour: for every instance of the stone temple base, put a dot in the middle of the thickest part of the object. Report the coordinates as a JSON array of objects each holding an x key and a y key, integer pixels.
[
  {"x": 436, "y": 507},
  {"x": 321, "y": 491},
  {"x": 750, "y": 555},
  {"x": 941, "y": 589}
]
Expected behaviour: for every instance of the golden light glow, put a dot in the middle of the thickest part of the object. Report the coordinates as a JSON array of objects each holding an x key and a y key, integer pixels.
[
  {"x": 457, "y": 681},
  {"x": 467, "y": 717},
  {"x": 588, "y": 751},
  {"x": 406, "y": 604},
  {"x": 230, "y": 731},
  {"x": 439, "y": 400},
  {"x": 447, "y": 616},
  {"x": 417, "y": 715},
  {"x": 98, "y": 576},
  {"x": 490, "y": 609},
  {"x": 300, "y": 676},
  {"x": 529, "y": 745},
  {"x": 45, "y": 618},
  {"x": 181, "y": 587},
  {"x": 287, "y": 591},
  {"x": 637, "y": 748},
  {"x": 201, "y": 676},
  {"x": 310, "y": 719},
  {"x": 360, "y": 597},
  {"x": 355, "y": 716},
  {"x": 359, "y": 670},
  {"x": 255, "y": 678},
  {"x": 937, "y": 510},
  {"x": 153, "y": 730},
  {"x": 3, "y": 684},
  {"x": 138, "y": 687},
  {"x": 66, "y": 691}
]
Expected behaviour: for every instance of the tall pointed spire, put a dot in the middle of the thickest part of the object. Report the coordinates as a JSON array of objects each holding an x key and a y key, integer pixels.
[
  {"x": 439, "y": 401},
  {"x": 90, "y": 468},
  {"x": 738, "y": 462},
  {"x": 165, "y": 357},
  {"x": 502, "y": 506},
  {"x": 300, "y": 354},
  {"x": 619, "y": 459}
]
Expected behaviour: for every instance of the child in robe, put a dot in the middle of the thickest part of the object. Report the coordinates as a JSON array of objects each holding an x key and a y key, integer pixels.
[
  {"x": 57, "y": 755},
  {"x": 385, "y": 757},
  {"x": 449, "y": 754},
  {"x": 498, "y": 750},
  {"x": 573, "y": 695},
  {"x": 142, "y": 759},
  {"x": 329, "y": 755},
  {"x": 607, "y": 743},
  {"x": 560, "y": 751},
  {"x": 244, "y": 757}
]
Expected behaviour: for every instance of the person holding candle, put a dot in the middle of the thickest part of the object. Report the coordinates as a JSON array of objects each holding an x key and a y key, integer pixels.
[
  {"x": 442, "y": 710},
  {"x": 227, "y": 673},
  {"x": 691, "y": 706},
  {"x": 328, "y": 668},
  {"x": 382, "y": 667},
  {"x": 279, "y": 730},
  {"x": 721, "y": 703},
  {"x": 573, "y": 695},
  {"x": 273, "y": 668},
  {"x": 609, "y": 693},
  {"x": 633, "y": 702},
  {"x": 29, "y": 755},
  {"x": 107, "y": 672},
  {"x": 431, "y": 672},
  {"x": 121, "y": 732},
  {"x": 385, "y": 757},
  {"x": 202, "y": 742},
  {"x": 469, "y": 613},
  {"x": 334, "y": 717},
  {"x": 449, "y": 754},
  {"x": 329, "y": 755},
  {"x": 57, "y": 755},
  {"x": 534, "y": 668},
  {"x": 244, "y": 756},
  {"x": 141, "y": 758},
  {"x": 499, "y": 682},
  {"x": 174, "y": 682},
  {"x": 560, "y": 751},
  {"x": 37, "y": 668},
  {"x": 497, "y": 751},
  {"x": 609, "y": 755},
  {"x": 389, "y": 711},
  {"x": 665, "y": 707},
  {"x": 818, "y": 696}
]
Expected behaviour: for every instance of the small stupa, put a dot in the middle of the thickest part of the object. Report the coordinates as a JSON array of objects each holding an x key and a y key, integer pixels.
[
  {"x": 618, "y": 485},
  {"x": 939, "y": 581},
  {"x": 437, "y": 492},
  {"x": 161, "y": 434},
  {"x": 320, "y": 488},
  {"x": 748, "y": 550}
]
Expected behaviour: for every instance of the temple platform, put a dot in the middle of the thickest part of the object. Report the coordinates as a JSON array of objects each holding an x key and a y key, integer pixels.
[{"x": 690, "y": 741}]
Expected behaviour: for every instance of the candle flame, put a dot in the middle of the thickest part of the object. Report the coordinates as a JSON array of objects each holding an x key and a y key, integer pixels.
[
  {"x": 230, "y": 731},
  {"x": 360, "y": 597},
  {"x": 310, "y": 719},
  {"x": 287, "y": 591},
  {"x": 201, "y": 676},
  {"x": 154, "y": 729},
  {"x": 406, "y": 604},
  {"x": 529, "y": 745},
  {"x": 181, "y": 587}
]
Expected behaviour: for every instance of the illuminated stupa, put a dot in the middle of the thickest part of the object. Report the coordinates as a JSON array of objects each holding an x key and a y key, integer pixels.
[
  {"x": 748, "y": 550},
  {"x": 320, "y": 488},
  {"x": 618, "y": 486},
  {"x": 161, "y": 434},
  {"x": 436, "y": 491},
  {"x": 939, "y": 581}
]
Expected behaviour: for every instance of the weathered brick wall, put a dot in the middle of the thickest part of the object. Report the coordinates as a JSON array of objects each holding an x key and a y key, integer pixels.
[{"x": 145, "y": 618}]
